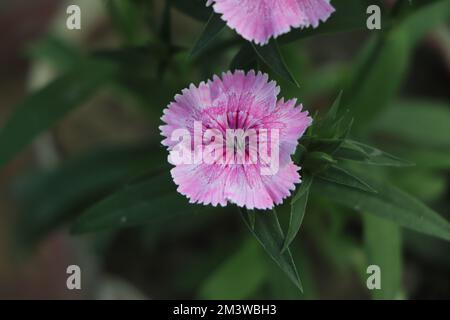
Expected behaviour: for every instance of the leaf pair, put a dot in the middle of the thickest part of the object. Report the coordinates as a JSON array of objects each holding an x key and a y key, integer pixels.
[
  {"x": 266, "y": 228},
  {"x": 264, "y": 225},
  {"x": 334, "y": 174}
]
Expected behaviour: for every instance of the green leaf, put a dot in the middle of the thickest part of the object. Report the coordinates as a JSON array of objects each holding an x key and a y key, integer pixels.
[
  {"x": 341, "y": 176},
  {"x": 57, "y": 52},
  {"x": 389, "y": 203},
  {"x": 280, "y": 287},
  {"x": 212, "y": 29},
  {"x": 349, "y": 15},
  {"x": 317, "y": 161},
  {"x": 383, "y": 63},
  {"x": 359, "y": 152},
  {"x": 196, "y": 9},
  {"x": 423, "y": 123},
  {"x": 326, "y": 145},
  {"x": 251, "y": 218},
  {"x": 342, "y": 128},
  {"x": 333, "y": 111},
  {"x": 42, "y": 109},
  {"x": 428, "y": 15},
  {"x": 429, "y": 158},
  {"x": 427, "y": 185},
  {"x": 270, "y": 54},
  {"x": 268, "y": 232},
  {"x": 334, "y": 129},
  {"x": 143, "y": 202},
  {"x": 383, "y": 248},
  {"x": 325, "y": 80},
  {"x": 48, "y": 199},
  {"x": 298, "y": 206},
  {"x": 239, "y": 276},
  {"x": 380, "y": 70}
]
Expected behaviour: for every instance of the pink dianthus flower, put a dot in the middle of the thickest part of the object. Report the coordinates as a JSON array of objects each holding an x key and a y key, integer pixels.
[
  {"x": 259, "y": 20},
  {"x": 236, "y": 101}
]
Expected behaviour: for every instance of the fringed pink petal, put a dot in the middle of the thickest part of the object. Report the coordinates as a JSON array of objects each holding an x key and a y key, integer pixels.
[
  {"x": 246, "y": 187},
  {"x": 258, "y": 21}
]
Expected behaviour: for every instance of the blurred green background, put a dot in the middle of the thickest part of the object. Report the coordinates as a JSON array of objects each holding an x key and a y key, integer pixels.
[{"x": 110, "y": 83}]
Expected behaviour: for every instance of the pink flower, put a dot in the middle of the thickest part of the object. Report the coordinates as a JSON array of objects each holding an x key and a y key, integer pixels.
[
  {"x": 235, "y": 101},
  {"x": 259, "y": 20}
]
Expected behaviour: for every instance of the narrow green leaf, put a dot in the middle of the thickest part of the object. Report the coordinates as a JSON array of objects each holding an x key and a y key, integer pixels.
[
  {"x": 213, "y": 27},
  {"x": 383, "y": 248},
  {"x": 335, "y": 129},
  {"x": 303, "y": 188},
  {"x": 427, "y": 185},
  {"x": 251, "y": 218},
  {"x": 333, "y": 112},
  {"x": 47, "y": 199},
  {"x": 270, "y": 54},
  {"x": 298, "y": 206},
  {"x": 57, "y": 52},
  {"x": 139, "y": 203},
  {"x": 341, "y": 176},
  {"x": 389, "y": 203},
  {"x": 383, "y": 63},
  {"x": 325, "y": 80},
  {"x": 426, "y": 16},
  {"x": 432, "y": 159},
  {"x": 268, "y": 232},
  {"x": 239, "y": 276},
  {"x": 416, "y": 122},
  {"x": 343, "y": 129},
  {"x": 42, "y": 109},
  {"x": 317, "y": 161},
  {"x": 280, "y": 287},
  {"x": 359, "y": 152},
  {"x": 327, "y": 145},
  {"x": 379, "y": 72}
]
